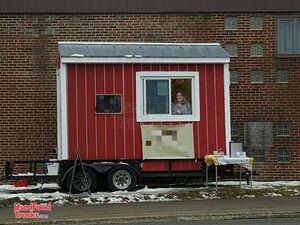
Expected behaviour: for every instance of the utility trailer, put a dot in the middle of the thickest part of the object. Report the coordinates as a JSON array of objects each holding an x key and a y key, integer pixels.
[{"x": 116, "y": 108}]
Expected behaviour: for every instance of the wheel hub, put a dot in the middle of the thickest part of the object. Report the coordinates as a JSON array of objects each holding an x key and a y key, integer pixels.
[
  {"x": 122, "y": 179},
  {"x": 79, "y": 181}
]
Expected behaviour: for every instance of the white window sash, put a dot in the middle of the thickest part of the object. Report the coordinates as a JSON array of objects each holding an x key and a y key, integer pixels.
[{"x": 142, "y": 77}]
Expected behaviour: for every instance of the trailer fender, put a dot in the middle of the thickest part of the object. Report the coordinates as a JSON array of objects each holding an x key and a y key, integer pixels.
[{"x": 105, "y": 167}]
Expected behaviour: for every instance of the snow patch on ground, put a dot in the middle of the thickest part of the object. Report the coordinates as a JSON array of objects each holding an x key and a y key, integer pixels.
[
  {"x": 259, "y": 184},
  {"x": 51, "y": 192}
]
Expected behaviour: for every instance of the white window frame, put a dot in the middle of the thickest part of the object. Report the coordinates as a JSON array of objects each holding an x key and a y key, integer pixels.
[{"x": 141, "y": 78}]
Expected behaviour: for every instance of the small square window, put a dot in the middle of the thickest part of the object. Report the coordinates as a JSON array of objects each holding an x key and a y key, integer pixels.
[
  {"x": 258, "y": 135},
  {"x": 231, "y": 49},
  {"x": 283, "y": 129},
  {"x": 233, "y": 76},
  {"x": 235, "y": 131},
  {"x": 256, "y": 23},
  {"x": 231, "y": 23},
  {"x": 257, "y": 76},
  {"x": 258, "y": 154},
  {"x": 256, "y": 50},
  {"x": 108, "y": 104},
  {"x": 283, "y": 156},
  {"x": 282, "y": 76}
]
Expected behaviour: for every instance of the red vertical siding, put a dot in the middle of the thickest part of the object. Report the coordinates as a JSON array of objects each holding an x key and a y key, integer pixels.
[
  {"x": 101, "y": 149},
  {"x": 91, "y": 120},
  {"x": 210, "y": 108},
  {"x": 109, "y": 118},
  {"x": 221, "y": 142},
  {"x": 119, "y": 120},
  {"x": 118, "y": 136},
  {"x": 128, "y": 112},
  {"x": 81, "y": 109},
  {"x": 202, "y": 125}
]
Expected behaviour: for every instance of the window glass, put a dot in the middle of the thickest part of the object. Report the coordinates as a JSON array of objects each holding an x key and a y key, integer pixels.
[
  {"x": 257, "y": 76},
  {"x": 182, "y": 97},
  {"x": 286, "y": 36},
  {"x": 235, "y": 129},
  {"x": 283, "y": 156},
  {"x": 256, "y": 50},
  {"x": 283, "y": 129},
  {"x": 282, "y": 76},
  {"x": 108, "y": 104},
  {"x": 157, "y": 97},
  {"x": 231, "y": 49},
  {"x": 231, "y": 23},
  {"x": 258, "y": 154},
  {"x": 233, "y": 76},
  {"x": 258, "y": 134},
  {"x": 256, "y": 23}
]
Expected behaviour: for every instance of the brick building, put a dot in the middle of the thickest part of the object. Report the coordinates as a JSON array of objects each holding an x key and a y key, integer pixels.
[{"x": 262, "y": 37}]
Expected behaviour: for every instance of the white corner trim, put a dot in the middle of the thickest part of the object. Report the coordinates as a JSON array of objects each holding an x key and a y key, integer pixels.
[
  {"x": 138, "y": 59},
  {"x": 63, "y": 112},
  {"x": 58, "y": 114},
  {"x": 227, "y": 106}
]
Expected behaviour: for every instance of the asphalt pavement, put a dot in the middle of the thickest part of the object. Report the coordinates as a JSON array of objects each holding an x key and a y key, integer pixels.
[{"x": 216, "y": 209}]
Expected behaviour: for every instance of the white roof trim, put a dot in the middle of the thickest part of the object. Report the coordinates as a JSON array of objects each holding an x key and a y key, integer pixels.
[
  {"x": 134, "y": 43},
  {"x": 82, "y": 59}
]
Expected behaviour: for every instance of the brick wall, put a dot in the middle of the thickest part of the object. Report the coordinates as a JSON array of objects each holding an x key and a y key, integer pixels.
[{"x": 28, "y": 47}]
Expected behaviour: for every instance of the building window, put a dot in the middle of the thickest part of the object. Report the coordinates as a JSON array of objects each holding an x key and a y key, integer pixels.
[
  {"x": 256, "y": 23},
  {"x": 108, "y": 104},
  {"x": 231, "y": 23},
  {"x": 233, "y": 76},
  {"x": 259, "y": 154},
  {"x": 167, "y": 96},
  {"x": 288, "y": 37},
  {"x": 282, "y": 76},
  {"x": 283, "y": 156},
  {"x": 235, "y": 131},
  {"x": 231, "y": 49},
  {"x": 283, "y": 129},
  {"x": 256, "y": 50},
  {"x": 258, "y": 135},
  {"x": 257, "y": 77}
]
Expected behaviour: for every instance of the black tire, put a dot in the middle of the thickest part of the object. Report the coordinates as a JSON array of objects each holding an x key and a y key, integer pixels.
[
  {"x": 79, "y": 184},
  {"x": 121, "y": 178}
]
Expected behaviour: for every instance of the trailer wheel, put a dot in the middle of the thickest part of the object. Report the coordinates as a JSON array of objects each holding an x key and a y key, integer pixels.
[
  {"x": 79, "y": 184},
  {"x": 121, "y": 178}
]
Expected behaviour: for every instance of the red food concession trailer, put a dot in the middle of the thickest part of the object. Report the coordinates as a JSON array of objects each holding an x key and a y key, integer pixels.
[{"x": 135, "y": 110}]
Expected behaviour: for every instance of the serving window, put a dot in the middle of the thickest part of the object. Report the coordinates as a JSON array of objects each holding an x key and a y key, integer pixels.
[
  {"x": 167, "y": 96},
  {"x": 108, "y": 104}
]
